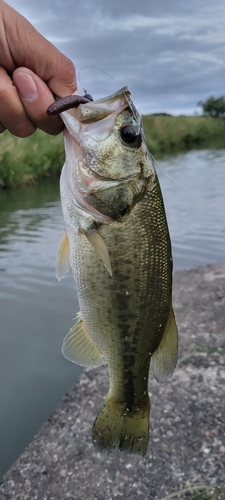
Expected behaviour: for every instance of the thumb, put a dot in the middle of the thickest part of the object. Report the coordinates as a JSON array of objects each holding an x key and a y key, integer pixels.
[{"x": 36, "y": 97}]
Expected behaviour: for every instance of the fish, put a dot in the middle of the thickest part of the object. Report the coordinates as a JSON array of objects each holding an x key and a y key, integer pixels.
[{"x": 118, "y": 245}]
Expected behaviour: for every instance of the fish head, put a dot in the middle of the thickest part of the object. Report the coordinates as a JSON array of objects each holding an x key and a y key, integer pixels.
[{"x": 107, "y": 160}]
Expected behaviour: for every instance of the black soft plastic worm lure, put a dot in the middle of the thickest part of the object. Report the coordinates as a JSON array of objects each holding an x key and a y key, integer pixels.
[{"x": 68, "y": 102}]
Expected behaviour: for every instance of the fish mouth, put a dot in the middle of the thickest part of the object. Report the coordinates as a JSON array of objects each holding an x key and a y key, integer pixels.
[
  {"x": 74, "y": 101},
  {"x": 67, "y": 102},
  {"x": 93, "y": 119}
]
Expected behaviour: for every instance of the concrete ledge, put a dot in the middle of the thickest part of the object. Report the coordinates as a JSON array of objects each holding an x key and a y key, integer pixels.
[{"x": 187, "y": 440}]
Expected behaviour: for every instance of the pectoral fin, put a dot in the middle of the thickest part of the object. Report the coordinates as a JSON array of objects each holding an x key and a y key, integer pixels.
[
  {"x": 63, "y": 257},
  {"x": 79, "y": 347},
  {"x": 164, "y": 359},
  {"x": 98, "y": 243}
]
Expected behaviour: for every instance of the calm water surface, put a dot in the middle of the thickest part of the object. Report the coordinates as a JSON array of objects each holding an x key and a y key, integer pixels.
[{"x": 36, "y": 311}]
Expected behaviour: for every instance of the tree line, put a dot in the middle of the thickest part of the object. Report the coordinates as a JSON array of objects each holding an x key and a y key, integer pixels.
[{"x": 213, "y": 106}]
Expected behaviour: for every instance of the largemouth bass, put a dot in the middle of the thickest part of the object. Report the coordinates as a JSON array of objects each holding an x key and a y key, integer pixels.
[{"x": 118, "y": 245}]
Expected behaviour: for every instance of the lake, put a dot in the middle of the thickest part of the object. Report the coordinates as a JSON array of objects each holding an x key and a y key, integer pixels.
[{"x": 36, "y": 311}]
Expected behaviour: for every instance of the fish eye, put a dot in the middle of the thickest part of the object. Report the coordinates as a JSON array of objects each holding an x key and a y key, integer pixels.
[{"x": 130, "y": 135}]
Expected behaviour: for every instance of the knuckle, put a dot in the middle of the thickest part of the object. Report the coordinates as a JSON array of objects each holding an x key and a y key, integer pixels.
[
  {"x": 5, "y": 93},
  {"x": 22, "y": 130},
  {"x": 65, "y": 78}
]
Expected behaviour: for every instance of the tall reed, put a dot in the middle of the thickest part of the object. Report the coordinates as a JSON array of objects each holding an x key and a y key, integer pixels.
[
  {"x": 25, "y": 160},
  {"x": 165, "y": 134}
]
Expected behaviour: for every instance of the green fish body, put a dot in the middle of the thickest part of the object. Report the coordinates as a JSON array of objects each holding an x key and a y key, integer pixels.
[{"x": 118, "y": 245}]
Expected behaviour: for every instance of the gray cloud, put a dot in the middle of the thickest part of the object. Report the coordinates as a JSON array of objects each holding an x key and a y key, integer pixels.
[{"x": 170, "y": 54}]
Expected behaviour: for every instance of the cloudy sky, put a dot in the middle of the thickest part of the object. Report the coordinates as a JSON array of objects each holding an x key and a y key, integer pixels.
[{"x": 171, "y": 54}]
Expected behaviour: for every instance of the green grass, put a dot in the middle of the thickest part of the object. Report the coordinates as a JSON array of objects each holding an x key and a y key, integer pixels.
[
  {"x": 23, "y": 161},
  {"x": 27, "y": 160},
  {"x": 167, "y": 134},
  {"x": 198, "y": 491}
]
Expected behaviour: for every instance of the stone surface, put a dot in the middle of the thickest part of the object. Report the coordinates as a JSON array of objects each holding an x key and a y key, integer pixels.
[{"x": 187, "y": 440}]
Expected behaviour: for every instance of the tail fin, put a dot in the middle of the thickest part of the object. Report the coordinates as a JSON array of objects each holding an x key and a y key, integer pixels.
[{"x": 117, "y": 426}]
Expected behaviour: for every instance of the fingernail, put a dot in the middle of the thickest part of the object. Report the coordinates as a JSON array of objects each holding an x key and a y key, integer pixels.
[{"x": 26, "y": 86}]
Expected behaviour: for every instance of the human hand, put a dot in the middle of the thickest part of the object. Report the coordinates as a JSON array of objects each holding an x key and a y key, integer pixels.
[{"x": 31, "y": 71}]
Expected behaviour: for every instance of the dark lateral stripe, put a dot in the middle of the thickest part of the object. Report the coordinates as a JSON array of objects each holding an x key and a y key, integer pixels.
[{"x": 128, "y": 379}]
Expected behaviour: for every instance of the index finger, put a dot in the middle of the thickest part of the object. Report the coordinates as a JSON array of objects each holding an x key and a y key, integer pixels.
[{"x": 35, "y": 52}]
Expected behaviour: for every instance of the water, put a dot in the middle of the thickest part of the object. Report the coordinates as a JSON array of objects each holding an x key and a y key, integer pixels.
[
  {"x": 196, "y": 212},
  {"x": 36, "y": 311}
]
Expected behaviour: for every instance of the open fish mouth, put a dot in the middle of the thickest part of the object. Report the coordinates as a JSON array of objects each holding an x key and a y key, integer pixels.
[
  {"x": 80, "y": 112},
  {"x": 67, "y": 102},
  {"x": 75, "y": 100}
]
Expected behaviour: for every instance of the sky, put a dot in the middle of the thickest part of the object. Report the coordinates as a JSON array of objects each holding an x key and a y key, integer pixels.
[{"x": 171, "y": 54}]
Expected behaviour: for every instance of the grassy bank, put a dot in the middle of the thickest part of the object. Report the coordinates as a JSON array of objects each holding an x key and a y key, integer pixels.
[
  {"x": 167, "y": 134},
  {"x": 26, "y": 160},
  {"x": 23, "y": 161}
]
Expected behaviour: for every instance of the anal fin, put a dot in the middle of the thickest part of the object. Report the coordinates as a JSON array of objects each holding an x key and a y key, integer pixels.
[
  {"x": 164, "y": 359},
  {"x": 79, "y": 347}
]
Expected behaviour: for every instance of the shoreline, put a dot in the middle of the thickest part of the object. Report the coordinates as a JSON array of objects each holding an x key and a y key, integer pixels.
[
  {"x": 187, "y": 425},
  {"x": 25, "y": 161}
]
